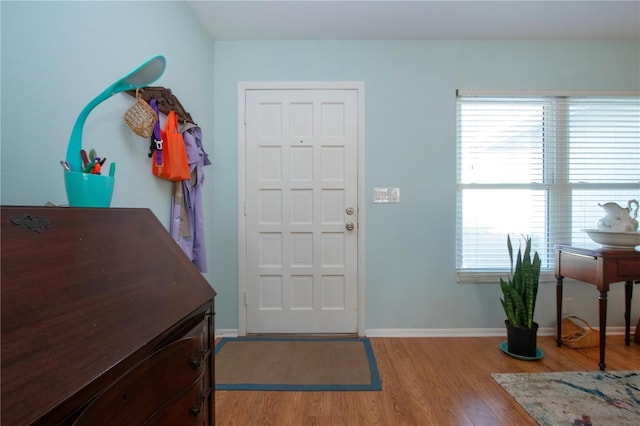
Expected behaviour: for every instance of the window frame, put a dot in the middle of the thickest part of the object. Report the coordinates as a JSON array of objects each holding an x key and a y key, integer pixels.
[{"x": 558, "y": 186}]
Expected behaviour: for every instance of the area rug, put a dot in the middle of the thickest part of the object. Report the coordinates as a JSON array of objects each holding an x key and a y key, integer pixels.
[
  {"x": 577, "y": 398},
  {"x": 296, "y": 364}
]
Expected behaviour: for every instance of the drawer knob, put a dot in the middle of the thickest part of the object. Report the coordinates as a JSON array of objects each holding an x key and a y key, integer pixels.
[
  {"x": 195, "y": 411},
  {"x": 195, "y": 361}
]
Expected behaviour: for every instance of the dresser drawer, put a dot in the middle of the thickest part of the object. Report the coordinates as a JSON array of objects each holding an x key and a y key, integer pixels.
[
  {"x": 190, "y": 408},
  {"x": 148, "y": 386}
]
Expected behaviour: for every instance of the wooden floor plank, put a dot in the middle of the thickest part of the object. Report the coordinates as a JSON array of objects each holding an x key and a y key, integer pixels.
[{"x": 425, "y": 381}]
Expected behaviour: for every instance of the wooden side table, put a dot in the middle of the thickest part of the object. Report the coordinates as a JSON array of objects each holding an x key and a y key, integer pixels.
[{"x": 600, "y": 267}]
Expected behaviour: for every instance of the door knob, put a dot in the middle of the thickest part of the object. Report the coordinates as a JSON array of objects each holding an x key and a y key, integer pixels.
[{"x": 350, "y": 226}]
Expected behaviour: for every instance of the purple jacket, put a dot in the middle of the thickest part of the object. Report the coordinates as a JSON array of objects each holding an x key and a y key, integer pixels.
[{"x": 187, "y": 222}]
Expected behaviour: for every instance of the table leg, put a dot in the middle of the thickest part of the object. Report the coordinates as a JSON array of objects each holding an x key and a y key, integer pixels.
[
  {"x": 603, "y": 326},
  {"x": 628, "y": 292},
  {"x": 559, "y": 310}
]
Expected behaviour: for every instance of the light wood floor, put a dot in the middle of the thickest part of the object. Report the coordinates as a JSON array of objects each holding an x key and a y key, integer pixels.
[{"x": 425, "y": 381}]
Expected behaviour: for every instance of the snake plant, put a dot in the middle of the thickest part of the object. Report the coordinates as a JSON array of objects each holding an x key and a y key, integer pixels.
[{"x": 521, "y": 288}]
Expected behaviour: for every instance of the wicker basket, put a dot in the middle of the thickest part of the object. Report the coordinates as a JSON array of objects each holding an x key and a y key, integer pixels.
[
  {"x": 141, "y": 117},
  {"x": 576, "y": 336}
]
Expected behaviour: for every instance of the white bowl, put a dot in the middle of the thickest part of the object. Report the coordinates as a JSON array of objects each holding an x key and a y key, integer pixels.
[{"x": 627, "y": 240}]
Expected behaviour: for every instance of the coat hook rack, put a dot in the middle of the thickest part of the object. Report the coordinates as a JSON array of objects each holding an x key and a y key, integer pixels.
[{"x": 165, "y": 100}]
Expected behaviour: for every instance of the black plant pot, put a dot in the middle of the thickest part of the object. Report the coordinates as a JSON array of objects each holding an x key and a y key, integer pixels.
[{"x": 522, "y": 341}]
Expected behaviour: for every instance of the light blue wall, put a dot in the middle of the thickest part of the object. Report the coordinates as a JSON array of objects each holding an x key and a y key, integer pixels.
[
  {"x": 57, "y": 56},
  {"x": 410, "y": 143}
]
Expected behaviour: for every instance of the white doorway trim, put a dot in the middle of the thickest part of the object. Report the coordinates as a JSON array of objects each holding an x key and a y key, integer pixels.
[{"x": 242, "y": 250}]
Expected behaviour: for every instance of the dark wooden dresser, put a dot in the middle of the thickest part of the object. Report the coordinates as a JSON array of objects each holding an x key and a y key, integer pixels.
[{"x": 104, "y": 321}]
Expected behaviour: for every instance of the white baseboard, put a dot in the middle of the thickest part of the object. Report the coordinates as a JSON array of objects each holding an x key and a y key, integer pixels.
[
  {"x": 438, "y": 332},
  {"x": 434, "y": 332},
  {"x": 465, "y": 332},
  {"x": 226, "y": 332}
]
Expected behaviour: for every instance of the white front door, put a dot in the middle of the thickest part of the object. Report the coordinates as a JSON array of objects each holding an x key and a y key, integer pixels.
[{"x": 301, "y": 211}]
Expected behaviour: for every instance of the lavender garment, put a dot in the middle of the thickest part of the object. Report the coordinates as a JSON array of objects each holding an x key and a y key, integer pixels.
[{"x": 187, "y": 222}]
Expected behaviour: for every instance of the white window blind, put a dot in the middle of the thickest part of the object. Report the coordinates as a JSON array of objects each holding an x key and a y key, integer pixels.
[{"x": 539, "y": 166}]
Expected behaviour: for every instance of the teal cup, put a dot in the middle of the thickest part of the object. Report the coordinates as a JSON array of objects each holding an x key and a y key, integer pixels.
[{"x": 88, "y": 190}]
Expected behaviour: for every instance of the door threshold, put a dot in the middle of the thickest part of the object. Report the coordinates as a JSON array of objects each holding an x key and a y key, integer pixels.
[{"x": 305, "y": 335}]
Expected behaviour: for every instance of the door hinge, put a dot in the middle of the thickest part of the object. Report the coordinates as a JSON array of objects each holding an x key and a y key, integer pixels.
[
  {"x": 245, "y": 208},
  {"x": 245, "y": 298},
  {"x": 244, "y": 117}
]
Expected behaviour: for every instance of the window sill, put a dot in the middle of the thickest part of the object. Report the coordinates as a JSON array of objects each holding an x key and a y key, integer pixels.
[{"x": 493, "y": 277}]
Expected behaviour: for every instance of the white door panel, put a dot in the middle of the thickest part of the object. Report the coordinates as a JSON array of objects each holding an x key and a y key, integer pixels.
[{"x": 301, "y": 177}]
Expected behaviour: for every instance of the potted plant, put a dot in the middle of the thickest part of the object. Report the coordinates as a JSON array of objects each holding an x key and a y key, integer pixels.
[{"x": 519, "y": 301}]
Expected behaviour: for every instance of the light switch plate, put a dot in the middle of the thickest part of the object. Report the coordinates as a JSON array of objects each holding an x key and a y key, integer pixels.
[{"x": 386, "y": 195}]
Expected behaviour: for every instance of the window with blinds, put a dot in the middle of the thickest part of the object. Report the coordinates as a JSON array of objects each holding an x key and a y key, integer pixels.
[{"x": 538, "y": 166}]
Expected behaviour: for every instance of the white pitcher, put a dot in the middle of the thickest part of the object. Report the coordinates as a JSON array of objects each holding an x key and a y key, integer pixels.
[{"x": 619, "y": 219}]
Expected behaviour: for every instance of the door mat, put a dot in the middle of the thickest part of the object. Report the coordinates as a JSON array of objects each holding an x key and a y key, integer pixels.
[
  {"x": 577, "y": 398},
  {"x": 296, "y": 364}
]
